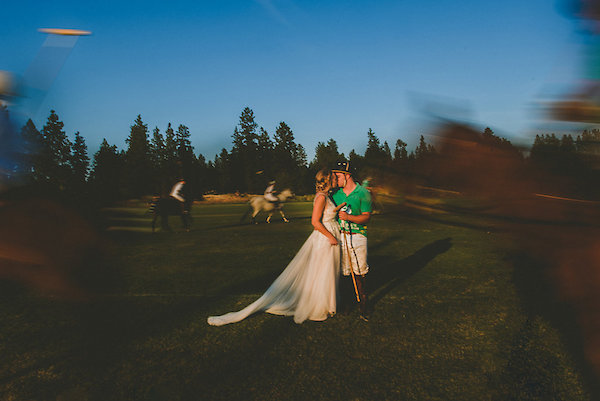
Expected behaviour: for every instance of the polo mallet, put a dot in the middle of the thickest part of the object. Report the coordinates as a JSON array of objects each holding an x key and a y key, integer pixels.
[{"x": 350, "y": 258}]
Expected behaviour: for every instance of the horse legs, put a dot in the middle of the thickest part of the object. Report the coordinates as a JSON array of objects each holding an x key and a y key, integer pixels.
[
  {"x": 185, "y": 217},
  {"x": 283, "y": 216},
  {"x": 164, "y": 221},
  {"x": 254, "y": 217},
  {"x": 269, "y": 217}
]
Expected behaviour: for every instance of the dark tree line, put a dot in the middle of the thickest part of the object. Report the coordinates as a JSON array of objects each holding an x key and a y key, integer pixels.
[
  {"x": 574, "y": 164},
  {"x": 153, "y": 161}
]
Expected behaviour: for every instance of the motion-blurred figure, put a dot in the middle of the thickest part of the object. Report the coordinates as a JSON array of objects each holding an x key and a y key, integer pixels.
[
  {"x": 271, "y": 194},
  {"x": 44, "y": 246},
  {"x": 177, "y": 192},
  {"x": 178, "y": 203},
  {"x": 11, "y": 151},
  {"x": 376, "y": 202},
  {"x": 560, "y": 236}
]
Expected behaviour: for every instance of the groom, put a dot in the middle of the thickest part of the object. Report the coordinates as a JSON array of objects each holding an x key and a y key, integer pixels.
[{"x": 353, "y": 219}]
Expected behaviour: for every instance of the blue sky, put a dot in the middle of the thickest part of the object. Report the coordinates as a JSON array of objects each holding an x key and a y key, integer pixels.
[{"x": 329, "y": 69}]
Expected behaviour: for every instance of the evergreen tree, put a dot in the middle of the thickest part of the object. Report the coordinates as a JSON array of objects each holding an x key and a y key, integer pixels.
[
  {"x": 80, "y": 160},
  {"x": 400, "y": 153},
  {"x": 185, "y": 150},
  {"x": 357, "y": 162},
  {"x": 387, "y": 153},
  {"x": 106, "y": 177},
  {"x": 224, "y": 172},
  {"x": 187, "y": 161},
  {"x": 171, "y": 165},
  {"x": 137, "y": 159},
  {"x": 55, "y": 156},
  {"x": 422, "y": 149},
  {"x": 157, "y": 149},
  {"x": 247, "y": 131},
  {"x": 157, "y": 160},
  {"x": 289, "y": 159},
  {"x": 374, "y": 152},
  {"x": 201, "y": 174},
  {"x": 326, "y": 155},
  {"x": 33, "y": 143},
  {"x": 377, "y": 157},
  {"x": 244, "y": 154},
  {"x": 265, "y": 153},
  {"x": 300, "y": 156}
]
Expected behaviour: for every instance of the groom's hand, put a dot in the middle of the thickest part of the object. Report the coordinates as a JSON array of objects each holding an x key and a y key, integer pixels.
[
  {"x": 344, "y": 216},
  {"x": 337, "y": 209}
]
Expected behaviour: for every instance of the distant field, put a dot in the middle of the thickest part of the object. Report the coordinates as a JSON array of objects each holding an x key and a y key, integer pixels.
[{"x": 450, "y": 320}]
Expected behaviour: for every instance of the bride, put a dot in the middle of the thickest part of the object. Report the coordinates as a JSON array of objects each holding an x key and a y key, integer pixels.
[{"x": 307, "y": 288}]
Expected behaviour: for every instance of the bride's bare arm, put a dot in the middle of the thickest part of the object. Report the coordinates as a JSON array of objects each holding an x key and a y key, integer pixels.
[{"x": 317, "y": 216}]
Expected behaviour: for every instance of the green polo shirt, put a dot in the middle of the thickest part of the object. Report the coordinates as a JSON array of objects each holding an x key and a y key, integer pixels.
[{"x": 359, "y": 202}]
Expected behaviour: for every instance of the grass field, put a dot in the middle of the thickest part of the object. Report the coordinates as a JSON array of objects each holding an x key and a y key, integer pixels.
[{"x": 452, "y": 320}]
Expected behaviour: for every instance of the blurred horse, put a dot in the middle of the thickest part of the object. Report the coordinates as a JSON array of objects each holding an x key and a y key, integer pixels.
[
  {"x": 260, "y": 204},
  {"x": 168, "y": 206}
]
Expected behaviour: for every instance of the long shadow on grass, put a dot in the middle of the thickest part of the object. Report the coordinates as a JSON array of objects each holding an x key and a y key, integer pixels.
[{"x": 387, "y": 273}]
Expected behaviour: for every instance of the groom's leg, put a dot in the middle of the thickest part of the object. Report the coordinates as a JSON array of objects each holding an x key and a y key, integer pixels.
[
  {"x": 347, "y": 297},
  {"x": 364, "y": 298}
]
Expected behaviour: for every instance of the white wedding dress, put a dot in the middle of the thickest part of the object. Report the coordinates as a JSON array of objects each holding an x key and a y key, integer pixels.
[{"x": 307, "y": 288}]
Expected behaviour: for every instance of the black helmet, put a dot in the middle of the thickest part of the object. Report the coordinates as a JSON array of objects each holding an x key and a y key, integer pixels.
[{"x": 343, "y": 167}]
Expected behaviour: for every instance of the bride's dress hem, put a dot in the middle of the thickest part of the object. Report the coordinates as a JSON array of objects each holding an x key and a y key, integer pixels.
[{"x": 307, "y": 288}]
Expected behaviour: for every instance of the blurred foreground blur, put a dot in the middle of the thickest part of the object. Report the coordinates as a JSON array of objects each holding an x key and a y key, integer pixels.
[
  {"x": 557, "y": 232},
  {"x": 582, "y": 102},
  {"x": 46, "y": 246},
  {"x": 50, "y": 250}
]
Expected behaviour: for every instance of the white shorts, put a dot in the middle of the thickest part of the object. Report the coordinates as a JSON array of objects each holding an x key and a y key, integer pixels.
[{"x": 354, "y": 250}]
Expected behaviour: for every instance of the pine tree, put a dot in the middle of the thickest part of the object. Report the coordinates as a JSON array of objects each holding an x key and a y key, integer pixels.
[
  {"x": 377, "y": 157},
  {"x": 373, "y": 153},
  {"x": 185, "y": 150},
  {"x": 326, "y": 155},
  {"x": 33, "y": 143},
  {"x": 387, "y": 153},
  {"x": 157, "y": 160},
  {"x": 157, "y": 149},
  {"x": 55, "y": 156},
  {"x": 170, "y": 157},
  {"x": 422, "y": 149},
  {"x": 80, "y": 160},
  {"x": 356, "y": 161},
  {"x": 244, "y": 154},
  {"x": 400, "y": 153},
  {"x": 186, "y": 161},
  {"x": 265, "y": 153},
  {"x": 201, "y": 172},
  {"x": 106, "y": 176},
  {"x": 137, "y": 159},
  {"x": 224, "y": 172},
  {"x": 289, "y": 158}
]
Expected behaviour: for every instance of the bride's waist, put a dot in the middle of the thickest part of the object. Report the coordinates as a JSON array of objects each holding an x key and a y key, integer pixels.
[{"x": 331, "y": 224}]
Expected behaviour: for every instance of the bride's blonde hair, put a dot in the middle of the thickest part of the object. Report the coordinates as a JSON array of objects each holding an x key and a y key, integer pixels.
[{"x": 323, "y": 180}]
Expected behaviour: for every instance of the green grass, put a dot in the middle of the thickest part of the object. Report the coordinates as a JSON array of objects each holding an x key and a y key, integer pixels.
[{"x": 449, "y": 322}]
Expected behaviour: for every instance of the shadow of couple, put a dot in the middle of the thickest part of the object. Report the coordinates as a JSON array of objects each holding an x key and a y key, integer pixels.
[{"x": 388, "y": 272}]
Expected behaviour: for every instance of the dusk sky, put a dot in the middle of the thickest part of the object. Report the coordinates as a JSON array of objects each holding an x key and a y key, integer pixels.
[{"x": 329, "y": 69}]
